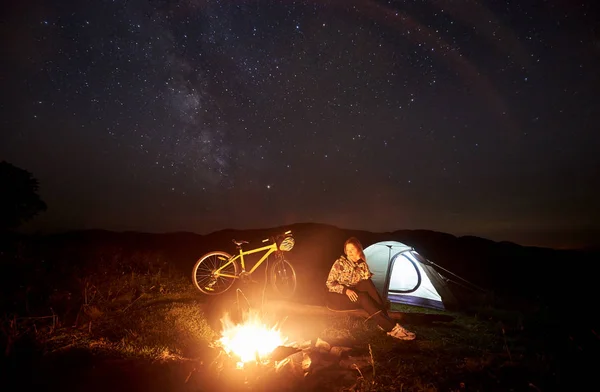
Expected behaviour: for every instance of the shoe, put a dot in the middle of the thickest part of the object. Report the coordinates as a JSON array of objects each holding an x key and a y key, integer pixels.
[{"x": 399, "y": 332}]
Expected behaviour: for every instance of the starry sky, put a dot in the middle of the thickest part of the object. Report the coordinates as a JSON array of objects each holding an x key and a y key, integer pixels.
[{"x": 466, "y": 117}]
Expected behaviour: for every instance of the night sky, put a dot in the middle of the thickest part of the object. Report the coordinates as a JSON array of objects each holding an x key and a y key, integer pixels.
[{"x": 466, "y": 117}]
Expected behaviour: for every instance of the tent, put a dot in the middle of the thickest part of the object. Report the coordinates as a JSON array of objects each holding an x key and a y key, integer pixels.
[{"x": 402, "y": 275}]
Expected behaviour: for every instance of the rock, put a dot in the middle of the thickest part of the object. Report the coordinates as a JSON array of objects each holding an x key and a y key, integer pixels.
[
  {"x": 307, "y": 361},
  {"x": 92, "y": 311},
  {"x": 339, "y": 351},
  {"x": 323, "y": 345}
]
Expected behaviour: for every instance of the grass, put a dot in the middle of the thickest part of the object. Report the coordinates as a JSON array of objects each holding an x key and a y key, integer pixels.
[
  {"x": 443, "y": 357},
  {"x": 467, "y": 352},
  {"x": 151, "y": 326}
]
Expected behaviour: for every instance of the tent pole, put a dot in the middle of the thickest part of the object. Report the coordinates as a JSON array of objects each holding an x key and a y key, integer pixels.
[{"x": 387, "y": 279}]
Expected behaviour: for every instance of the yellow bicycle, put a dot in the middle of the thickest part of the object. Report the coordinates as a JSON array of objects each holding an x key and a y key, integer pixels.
[{"x": 215, "y": 272}]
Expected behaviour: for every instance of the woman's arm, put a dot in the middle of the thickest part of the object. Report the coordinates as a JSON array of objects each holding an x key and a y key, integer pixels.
[
  {"x": 332, "y": 282},
  {"x": 365, "y": 273}
]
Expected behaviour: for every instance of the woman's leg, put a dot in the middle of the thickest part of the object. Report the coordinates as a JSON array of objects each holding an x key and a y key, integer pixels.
[
  {"x": 373, "y": 307},
  {"x": 369, "y": 300},
  {"x": 373, "y": 304},
  {"x": 340, "y": 302},
  {"x": 369, "y": 287},
  {"x": 380, "y": 316}
]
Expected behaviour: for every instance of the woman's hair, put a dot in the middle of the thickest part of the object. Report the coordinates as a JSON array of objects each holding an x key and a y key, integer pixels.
[{"x": 354, "y": 241}]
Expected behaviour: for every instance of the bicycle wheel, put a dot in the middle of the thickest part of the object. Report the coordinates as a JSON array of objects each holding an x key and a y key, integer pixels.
[
  {"x": 206, "y": 280},
  {"x": 283, "y": 278}
]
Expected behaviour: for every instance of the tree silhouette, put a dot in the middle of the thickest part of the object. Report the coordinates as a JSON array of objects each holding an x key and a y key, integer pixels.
[{"x": 19, "y": 199}]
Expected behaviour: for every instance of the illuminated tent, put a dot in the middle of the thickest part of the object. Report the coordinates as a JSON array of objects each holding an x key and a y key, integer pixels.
[{"x": 402, "y": 275}]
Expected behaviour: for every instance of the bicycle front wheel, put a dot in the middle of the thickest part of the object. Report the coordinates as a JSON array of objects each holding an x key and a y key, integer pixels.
[
  {"x": 283, "y": 278},
  {"x": 205, "y": 275}
]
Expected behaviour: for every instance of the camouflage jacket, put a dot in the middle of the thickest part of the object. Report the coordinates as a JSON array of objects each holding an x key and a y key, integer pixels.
[{"x": 345, "y": 273}]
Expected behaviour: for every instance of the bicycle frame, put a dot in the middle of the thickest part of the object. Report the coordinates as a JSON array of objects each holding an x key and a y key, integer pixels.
[{"x": 270, "y": 249}]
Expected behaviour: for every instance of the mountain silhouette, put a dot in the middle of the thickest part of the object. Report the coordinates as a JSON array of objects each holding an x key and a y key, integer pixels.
[{"x": 505, "y": 269}]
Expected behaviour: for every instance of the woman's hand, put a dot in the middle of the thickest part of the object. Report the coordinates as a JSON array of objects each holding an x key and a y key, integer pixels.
[{"x": 352, "y": 295}]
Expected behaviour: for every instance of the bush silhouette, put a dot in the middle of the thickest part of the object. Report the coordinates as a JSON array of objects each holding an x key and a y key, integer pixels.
[{"x": 19, "y": 199}]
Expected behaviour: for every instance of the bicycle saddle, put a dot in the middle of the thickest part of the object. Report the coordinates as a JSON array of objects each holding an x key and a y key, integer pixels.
[{"x": 240, "y": 242}]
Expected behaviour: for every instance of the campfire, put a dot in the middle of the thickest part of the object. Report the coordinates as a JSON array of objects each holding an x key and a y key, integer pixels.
[
  {"x": 255, "y": 355},
  {"x": 250, "y": 341}
]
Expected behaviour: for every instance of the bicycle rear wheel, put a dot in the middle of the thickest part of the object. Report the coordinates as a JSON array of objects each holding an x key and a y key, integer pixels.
[
  {"x": 205, "y": 277},
  {"x": 283, "y": 278}
]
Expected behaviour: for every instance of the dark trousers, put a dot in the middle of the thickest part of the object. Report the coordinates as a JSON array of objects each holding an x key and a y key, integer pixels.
[{"x": 368, "y": 299}]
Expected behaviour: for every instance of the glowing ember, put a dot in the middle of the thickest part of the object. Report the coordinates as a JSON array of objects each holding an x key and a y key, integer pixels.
[{"x": 250, "y": 341}]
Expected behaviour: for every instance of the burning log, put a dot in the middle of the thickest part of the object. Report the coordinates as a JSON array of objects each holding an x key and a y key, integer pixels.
[{"x": 282, "y": 352}]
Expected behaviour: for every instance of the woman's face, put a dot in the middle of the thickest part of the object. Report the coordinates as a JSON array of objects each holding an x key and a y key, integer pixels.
[{"x": 352, "y": 253}]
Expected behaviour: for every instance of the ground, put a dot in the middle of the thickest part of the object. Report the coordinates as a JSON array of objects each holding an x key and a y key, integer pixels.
[{"x": 160, "y": 339}]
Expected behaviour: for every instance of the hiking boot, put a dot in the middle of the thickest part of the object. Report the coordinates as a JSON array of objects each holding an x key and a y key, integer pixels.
[{"x": 399, "y": 332}]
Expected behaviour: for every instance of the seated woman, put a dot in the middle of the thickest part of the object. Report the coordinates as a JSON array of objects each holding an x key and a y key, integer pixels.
[{"x": 350, "y": 287}]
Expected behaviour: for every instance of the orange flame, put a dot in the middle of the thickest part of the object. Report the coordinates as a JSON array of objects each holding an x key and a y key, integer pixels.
[{"x": 250, "y": 341}]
